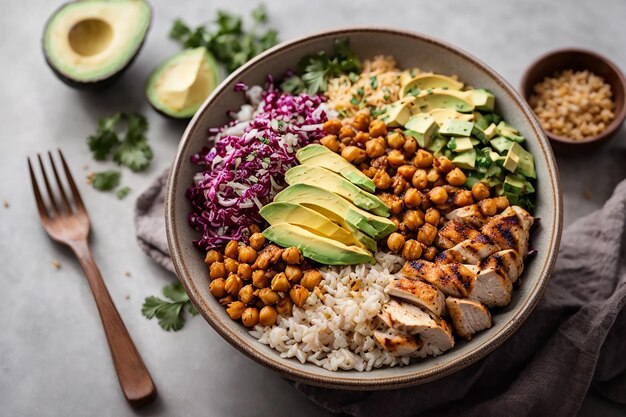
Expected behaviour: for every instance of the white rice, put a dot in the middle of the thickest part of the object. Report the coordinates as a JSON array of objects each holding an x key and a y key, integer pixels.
[{"x": 337, "y": 330}]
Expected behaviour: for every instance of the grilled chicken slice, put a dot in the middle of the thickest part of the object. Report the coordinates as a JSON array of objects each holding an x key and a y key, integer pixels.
[
  {"x": 417, "y": 292},
  {"x": 509, "y": 261},
  {"x": 454, "y": 232},
  {"x": 397, "y": 343},
  {"x": 468, "y": 316},
  {"x": 470, "y": 215},
  {"x": 492, "y": 288},
  {"x": 433, "y": 331},
  {"x": 451, "y": 279},
  {"x": 510, "y": 229},
  {"x": 469, "y": 251}
]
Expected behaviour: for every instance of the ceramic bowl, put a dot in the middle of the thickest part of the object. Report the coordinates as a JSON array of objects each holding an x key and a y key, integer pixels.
[
  {"x": 410, "y": 50},
  {"x": 579, "y": 60}
]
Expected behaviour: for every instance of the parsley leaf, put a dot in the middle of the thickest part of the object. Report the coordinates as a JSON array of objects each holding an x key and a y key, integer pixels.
[
  {"x": 106, "y": 180},
  {"x": 122, "y": 192},
  {"x": 169, "y": 313},
  {"x": 102, "y": 142}
]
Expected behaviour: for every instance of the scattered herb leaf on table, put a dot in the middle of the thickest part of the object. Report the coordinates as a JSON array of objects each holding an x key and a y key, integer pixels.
[
  {"x": 106, "y": 180},
  {"x": 169, "y": 313}
]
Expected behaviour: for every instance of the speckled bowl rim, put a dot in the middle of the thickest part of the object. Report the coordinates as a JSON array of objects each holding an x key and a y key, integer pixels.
[{"x": 283, "y": 366}]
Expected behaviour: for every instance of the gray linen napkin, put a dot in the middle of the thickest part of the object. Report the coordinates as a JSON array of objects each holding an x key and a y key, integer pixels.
[{"x": 575, "y": 339}]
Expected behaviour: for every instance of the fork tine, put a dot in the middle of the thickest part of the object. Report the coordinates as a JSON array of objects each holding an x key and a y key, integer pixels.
[
  {"x": 77, "y": 198},
  {"x": 50, "y": 194},
  {"x": 43, "y": 213},
  {"x": 60, "y": 185}
]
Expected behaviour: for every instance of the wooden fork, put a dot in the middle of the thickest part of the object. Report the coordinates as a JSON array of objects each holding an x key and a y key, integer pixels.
[{"x": 67, "y": 222}]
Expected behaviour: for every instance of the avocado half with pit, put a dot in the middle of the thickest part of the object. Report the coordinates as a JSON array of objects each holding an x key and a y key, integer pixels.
[
  {"x": 89, "y": 43},
  {"x": 179, "y": 86}
]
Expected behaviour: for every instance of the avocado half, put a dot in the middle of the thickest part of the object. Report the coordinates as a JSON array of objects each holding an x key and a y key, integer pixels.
[
  {"x": 178, "y": 87},
  {"x": 89, "y": 43}
]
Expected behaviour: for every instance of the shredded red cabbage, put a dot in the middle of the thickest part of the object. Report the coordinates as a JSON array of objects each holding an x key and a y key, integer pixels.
[{"x": 245, "y": 169}]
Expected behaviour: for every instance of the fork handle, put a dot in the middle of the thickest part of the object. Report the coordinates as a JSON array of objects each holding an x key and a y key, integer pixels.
[{"x": 134, "y": 378}]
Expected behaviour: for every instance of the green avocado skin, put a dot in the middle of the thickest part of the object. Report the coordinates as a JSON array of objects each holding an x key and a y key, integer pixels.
[{"x": 96, "y": 84}]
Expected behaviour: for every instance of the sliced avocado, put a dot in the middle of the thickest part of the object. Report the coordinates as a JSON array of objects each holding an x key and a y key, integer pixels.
[
  {"x": 88, "y": 44},
  {"x": 333, "y": 206},
  {"x": 513, "y": 184},
  {"x": 428, "y": 81},
  {"x": 501, "y": 144},
  {"x": 321, "y": 156},
  {"x": 311, "y": 220},
  {"x": 437, "y": 146},
  {"x": 452, "y": 127},
  {"x": 526, "y": 163},
  {"x": 511, "y": 160},
  {"x": 465, "y": 160},
  {"x": 397, "y": 113},
  {"x": 439, "y": 98},
  {"x": 509, "y": 132},
  {"x": 318, "y": 248},
  {"x": 179, "y": 86},
  {"x": 490, "y": 131},
  {"x": 442, "y": 114},
  {"x": 422, "y": 127},
  {"x": 483, "y": 100},
  {"x": 312, "y": 175},
  {"x": 459, "y": 145}
]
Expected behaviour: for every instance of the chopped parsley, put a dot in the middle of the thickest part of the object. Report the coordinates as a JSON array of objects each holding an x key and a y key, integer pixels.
[
  {"x": 122, "y": 192},
  {"x": 374, "y": 82},
  {"x": 106, "y": 180}
]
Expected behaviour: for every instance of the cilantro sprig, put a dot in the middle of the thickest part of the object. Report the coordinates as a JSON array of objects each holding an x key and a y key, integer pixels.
[
  {"x": 316, "y": 69},
  {"x": 170, "y": 314},
  {"x": 124, "y": 136},
  {"x": 227, "y": 39},
  {"x": 106, "y": 180}
]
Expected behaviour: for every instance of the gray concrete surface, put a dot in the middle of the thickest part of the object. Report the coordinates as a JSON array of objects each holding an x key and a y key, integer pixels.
[{"x": 53, "y": 356}]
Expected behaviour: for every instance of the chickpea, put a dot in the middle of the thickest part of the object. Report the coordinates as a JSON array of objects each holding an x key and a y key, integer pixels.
[
  {"x": 246, "y": 294},
  {"x": 396, "y": 158},
  {"x": 280, "y": 283},
  {"x": 456, "y": 177},
  {"x": 298, "y": 295},
  {"x": 267, "y": 316},
  {"x": 361, "y": 122},
  {"x": 292, "y": 256},
  {"x": 331, "y": 142},
  {"x": 480, "y": 191},
  {"x": 410, "y": 145},
  {"x": 231, "y": 265},
  {"x": 438, "y": 195},
  {"x": 257, "y": 240},
  {"x": 427, "y": 234},
  {"x": 382, "y": 180},
  {"x": 463, "y": 198},
  {"x": 362, "y": 137},
  {"x": 293, "y": 273},
  {"x": 370, "y": 172},
  {"x": 423, "y": 159},
  {"x": 412, "y": 198},
  {"x": 254, "y": 228},
  {"x": 395, "y": 140},
  {"x": 502, "y": 203},
  {"x": 377, "y": 128},
  {"x": 429, "y": 253},
  {"x": 232, "y": 249},
  {"x": 233, "y": 284},
  {"x": 235, "y": 310},
  {"x": 247, "y": 254},
  {"x": 244, "y": 271},
  {"x": 311, "y": 279},
  {"x": 396, "y": 206},
  {"x": 488, "y": 207},
  {"x": 217, "y": 288},
  {"x": 284, "y": 306},
  {"x": 217, "y": 270},
  {"x": 432, "y": 216},
  {"x": 420, "y": 179},
  {"x": 226, "y": 300},
  {"x": 259, "y": 280},
  {"x": 380, "y": 162},
  {"x": 332, "y": 126},
  {"x": 406, "y": 171},
  {"x": 413, "y": 219},
  {"x": 250, "y": 317},
  {"x": 212, "y": 256},
  {"x": 398, "y": 184},
  {"x": 353, "y": 154},
  {"x": 433, "y": 176},
  {"x": 443, "y": 164},
  {"x": 346, "y": 132},
  {"x": 375, "y": 147},
  {"x": 395, "y": 242},
  {"x": 268, "y": 296},
  {"x": 412, "y": 250}
]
